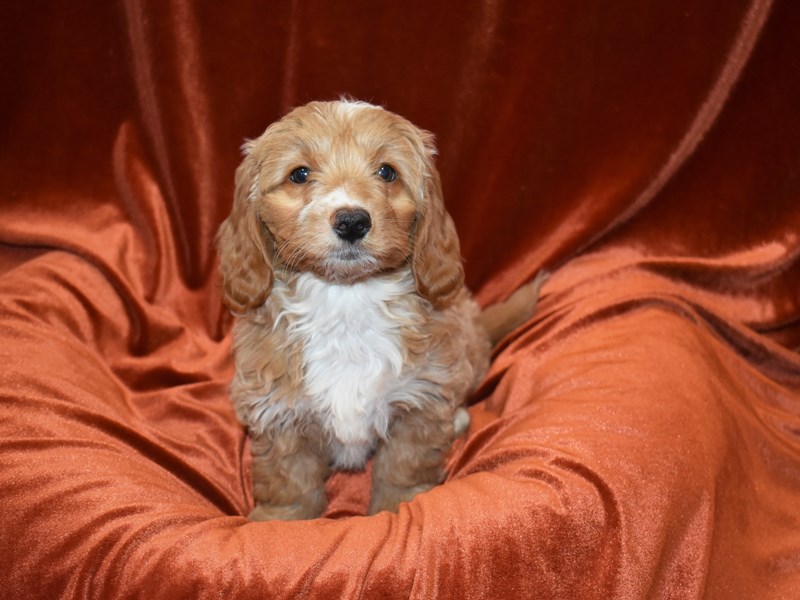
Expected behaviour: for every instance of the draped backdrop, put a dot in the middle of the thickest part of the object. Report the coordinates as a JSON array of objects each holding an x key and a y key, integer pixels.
[{"x": 639, "y": 437}]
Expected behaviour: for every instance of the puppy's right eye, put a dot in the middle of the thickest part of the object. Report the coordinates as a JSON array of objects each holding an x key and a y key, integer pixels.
[{"x": 299, "y": 175}]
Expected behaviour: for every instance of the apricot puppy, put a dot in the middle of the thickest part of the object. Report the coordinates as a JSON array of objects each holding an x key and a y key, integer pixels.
[{"x": 355, "y": 336}]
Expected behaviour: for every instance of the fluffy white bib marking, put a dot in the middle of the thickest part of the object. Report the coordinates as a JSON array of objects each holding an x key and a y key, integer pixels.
[{"x": 352, "y": 353}]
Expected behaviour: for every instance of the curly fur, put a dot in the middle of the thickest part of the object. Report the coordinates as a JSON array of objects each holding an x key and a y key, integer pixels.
[{"x": 347, "y": 349}]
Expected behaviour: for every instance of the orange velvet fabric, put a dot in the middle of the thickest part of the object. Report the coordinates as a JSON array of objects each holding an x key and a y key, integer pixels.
[{"x": 638, "y": 438}]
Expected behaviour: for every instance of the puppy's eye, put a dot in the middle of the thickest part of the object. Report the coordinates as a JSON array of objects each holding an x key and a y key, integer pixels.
[
  {"x": 299, "y": 175},
  {"x": 387, "y": 173}
]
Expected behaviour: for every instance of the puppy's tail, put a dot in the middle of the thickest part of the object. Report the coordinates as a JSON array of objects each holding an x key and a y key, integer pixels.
[{"x": 500, "y": 319}]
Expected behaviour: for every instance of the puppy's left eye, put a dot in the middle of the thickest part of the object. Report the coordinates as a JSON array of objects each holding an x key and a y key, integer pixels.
[{"x": 387, "y": 173}]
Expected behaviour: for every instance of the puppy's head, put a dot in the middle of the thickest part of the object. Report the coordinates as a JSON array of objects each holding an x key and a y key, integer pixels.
[{"x": 344, "y": 190}]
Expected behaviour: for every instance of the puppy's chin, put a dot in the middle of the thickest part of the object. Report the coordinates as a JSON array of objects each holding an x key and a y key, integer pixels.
[{"x": 348, "y": 265}]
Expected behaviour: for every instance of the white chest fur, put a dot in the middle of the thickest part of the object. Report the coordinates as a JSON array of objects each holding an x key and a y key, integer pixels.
[{"x": 352, "y": 353}]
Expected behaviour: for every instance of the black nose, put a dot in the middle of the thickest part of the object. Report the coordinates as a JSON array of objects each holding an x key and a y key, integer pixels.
[{"x": 351, "y": 224}]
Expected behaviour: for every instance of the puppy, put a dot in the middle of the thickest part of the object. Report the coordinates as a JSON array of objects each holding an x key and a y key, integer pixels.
[{"x": 355, "y": 335}]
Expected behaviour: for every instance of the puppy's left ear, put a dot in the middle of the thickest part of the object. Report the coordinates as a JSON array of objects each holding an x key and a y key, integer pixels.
[{"x": 436, "y": 260}]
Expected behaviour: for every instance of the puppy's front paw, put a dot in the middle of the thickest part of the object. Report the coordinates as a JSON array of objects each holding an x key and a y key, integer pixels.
[
  {"x": 389, "y": 497},
  {"x": 292, "y": 512}
]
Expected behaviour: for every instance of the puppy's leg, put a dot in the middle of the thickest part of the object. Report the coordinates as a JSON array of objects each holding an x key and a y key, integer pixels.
[
  {"x": 461, "y": 421},
  {"x": 289, "y": 472},
  {"x": 411, "y": 460}
]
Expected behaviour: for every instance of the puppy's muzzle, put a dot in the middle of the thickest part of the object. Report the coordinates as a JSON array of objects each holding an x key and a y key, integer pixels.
[{"x": 351, "y": 225}]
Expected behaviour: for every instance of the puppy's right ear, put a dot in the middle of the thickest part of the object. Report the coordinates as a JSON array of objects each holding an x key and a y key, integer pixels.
[{"x": 245, "y": 252}]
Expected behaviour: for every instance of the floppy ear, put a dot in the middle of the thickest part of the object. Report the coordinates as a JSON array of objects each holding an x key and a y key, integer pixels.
[
  {"x": 436, "y": 260},
  {"x": 245, "y": 253}
]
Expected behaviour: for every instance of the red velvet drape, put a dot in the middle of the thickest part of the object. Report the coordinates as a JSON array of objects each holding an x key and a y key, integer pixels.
[{"x": 638, "y": 438}]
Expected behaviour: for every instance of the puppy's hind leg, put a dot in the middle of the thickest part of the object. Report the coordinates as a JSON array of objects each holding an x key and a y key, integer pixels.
[
  {"x": 289, "y": 472},
  {"x": 461, "y": 421}
]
